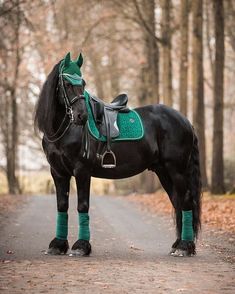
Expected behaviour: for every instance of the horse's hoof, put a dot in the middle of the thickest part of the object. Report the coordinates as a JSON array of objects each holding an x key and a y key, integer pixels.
[
  {"x": 57, "y": 247},
  {"x": 54, "y": 251},
  {"x": 77, "y": 253},
  {"x": 172, "y": 251},
  {"x": 180, "y": 253},
  {"x": 183, "y": 248},
  {"x": 81, "y": 248}
]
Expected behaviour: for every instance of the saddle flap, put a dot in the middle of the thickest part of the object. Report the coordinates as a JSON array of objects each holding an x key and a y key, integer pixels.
[
  {"x": 110, "y": 118},
  {"x": 97, "y": 110}
]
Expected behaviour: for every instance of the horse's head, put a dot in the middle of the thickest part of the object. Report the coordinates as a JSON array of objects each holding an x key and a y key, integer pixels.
[{"x": 71, "y": 89}]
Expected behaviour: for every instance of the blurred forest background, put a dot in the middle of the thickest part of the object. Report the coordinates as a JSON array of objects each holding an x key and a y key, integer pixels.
[{"x": 176, "y": 52}]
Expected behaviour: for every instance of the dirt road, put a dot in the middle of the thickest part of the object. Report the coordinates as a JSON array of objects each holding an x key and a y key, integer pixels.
[{"x": 130, "y": 253}]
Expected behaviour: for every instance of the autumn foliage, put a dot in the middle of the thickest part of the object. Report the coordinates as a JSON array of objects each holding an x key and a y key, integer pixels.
[{"x": 217, "y": 211}]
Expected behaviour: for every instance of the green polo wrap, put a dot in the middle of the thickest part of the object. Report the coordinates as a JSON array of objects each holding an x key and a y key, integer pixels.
[
  {"x": 84, "y": 230},
  {"x": 187, "y": 226},
  {"x": 62, "y": 226}
]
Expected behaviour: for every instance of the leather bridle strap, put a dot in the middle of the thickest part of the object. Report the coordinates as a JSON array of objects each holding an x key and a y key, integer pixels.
[{"x": 67, "y": 102}]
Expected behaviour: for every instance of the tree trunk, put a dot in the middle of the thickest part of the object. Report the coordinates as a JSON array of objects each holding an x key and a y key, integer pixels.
[
  {"x": 113, "y": 63},
  {"x": 114, "y": 76},
  {"x": 11, "y": 117},
  {"x": 217, "y": 181},
  {"x": 151, "y": 53},
  {"x": 209, "y": 23},
  {"x": 184, "y": 57},
  {"x": 166, "y": 52},
  {"x": 96, "y": 64},
  {"x": 198, "y": 85},
  {"x": 12, "y": 146},
  {"x": 149, "y": 84}
]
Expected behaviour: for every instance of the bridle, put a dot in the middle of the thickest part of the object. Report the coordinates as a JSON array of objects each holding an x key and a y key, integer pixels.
[
  {"x": 68, "y": 103},
  {"x": 68, "y": 106}
]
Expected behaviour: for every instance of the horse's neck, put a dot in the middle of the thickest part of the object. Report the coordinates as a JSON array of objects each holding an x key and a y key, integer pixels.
[{"x": 59, "y": 116}]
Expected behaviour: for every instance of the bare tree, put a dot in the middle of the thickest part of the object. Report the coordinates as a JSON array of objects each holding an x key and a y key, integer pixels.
[
  {"x": 184, "y": 16},
  {"x": 166, "y": 52},
  {"x": 198, "y": 84},
  {"x": 151, "y": 50},
  {"x": 11, "y": 58},
  {"x": 217, "y": 181}
]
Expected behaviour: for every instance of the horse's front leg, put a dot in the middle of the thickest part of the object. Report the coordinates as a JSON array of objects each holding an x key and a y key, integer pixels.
[
  {"x": 60, "y": 245},
  {"x": 82, "y": 246}
]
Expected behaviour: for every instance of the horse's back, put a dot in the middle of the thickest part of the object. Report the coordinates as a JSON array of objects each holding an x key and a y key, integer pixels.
[{"x": 165, "y": 114}]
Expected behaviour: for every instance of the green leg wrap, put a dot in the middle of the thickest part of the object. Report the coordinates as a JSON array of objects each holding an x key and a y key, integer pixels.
[
  {"x": 84, "y": 230},
  {"x": 62, "y": 226},
  {"x": 187, "y": 226}
]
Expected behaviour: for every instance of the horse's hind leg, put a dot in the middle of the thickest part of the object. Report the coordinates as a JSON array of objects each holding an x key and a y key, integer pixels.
[
  {"x": 168, "y": 186},
  {"x": 184, "y": 206},
  {"x": 60, "y": 245},
  {"x": 186, "y": 179}
]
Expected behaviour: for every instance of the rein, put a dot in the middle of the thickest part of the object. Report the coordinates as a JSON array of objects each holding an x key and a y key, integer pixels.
[{"x": 50, "y": 138}]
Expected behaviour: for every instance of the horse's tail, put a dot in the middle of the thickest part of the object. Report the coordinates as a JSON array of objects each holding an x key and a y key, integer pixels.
[{"x": 194, "y": 185}]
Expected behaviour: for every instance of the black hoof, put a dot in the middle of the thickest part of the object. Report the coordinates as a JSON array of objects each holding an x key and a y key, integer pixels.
[
  {"x": 58, "y": 247},
  {"x": 175, "y": 245},
  {"x": 183, "y": 248},
  {"x": 81, "y": 248}
]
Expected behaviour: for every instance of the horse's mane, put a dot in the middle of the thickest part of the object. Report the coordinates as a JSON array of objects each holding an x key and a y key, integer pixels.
[{"x": 45, "y": 109}]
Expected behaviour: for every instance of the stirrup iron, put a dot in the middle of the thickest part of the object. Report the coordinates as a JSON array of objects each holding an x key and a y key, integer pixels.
[{"x": 109, "y": 154}]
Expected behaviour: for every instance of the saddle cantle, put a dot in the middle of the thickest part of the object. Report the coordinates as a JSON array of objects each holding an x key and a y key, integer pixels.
[{"x": 120, "y": 101}]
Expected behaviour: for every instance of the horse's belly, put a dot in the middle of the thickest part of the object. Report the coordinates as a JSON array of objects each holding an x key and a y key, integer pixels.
[{"x": 118, "y": 172}]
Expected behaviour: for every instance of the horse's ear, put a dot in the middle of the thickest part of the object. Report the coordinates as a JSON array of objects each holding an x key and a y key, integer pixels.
[
  {"x": 67, "y": 59},
  {"x": 79, "y": 60}
]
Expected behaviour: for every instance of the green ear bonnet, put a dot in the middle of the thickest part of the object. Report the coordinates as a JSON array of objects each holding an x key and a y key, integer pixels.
[{"x": 70, "y": 70}]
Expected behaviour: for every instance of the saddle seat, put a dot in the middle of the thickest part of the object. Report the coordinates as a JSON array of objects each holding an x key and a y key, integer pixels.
[{"x": 119, "y": 103}]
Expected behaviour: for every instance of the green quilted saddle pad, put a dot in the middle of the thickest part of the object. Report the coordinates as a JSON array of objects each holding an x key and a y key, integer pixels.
[{"x": 129, "y": 124}]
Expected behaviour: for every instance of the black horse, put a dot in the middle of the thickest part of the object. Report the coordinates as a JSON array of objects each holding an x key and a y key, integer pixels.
[{"x": 169, "y": 148}]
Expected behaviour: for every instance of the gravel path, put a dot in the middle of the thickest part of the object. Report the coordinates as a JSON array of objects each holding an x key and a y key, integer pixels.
[{"x": 130, "y": 253}]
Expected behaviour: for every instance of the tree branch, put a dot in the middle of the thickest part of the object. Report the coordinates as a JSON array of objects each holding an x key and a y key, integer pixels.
[{"x": 144, "y": 23}]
